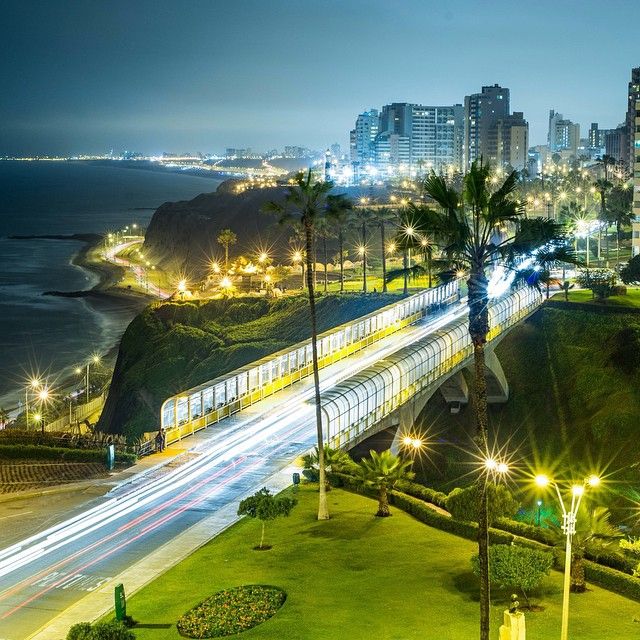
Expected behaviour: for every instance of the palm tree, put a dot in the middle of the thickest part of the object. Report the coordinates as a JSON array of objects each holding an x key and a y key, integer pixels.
[
  {"x": 332, "y": 458},
  {"x": 593, "y": 526},
  {"x": 602, "y": 186},
  {"x": 619, "y": 211},
  {"x": 226, "y": 238},
  {"x": 382, "y": 217},
  {"x": 408, "y": 237},
  {"x": 304, "y": 204},
  {"x": 361, "y": 217},
  {"x": 478, "y": 228},
  {"x": 339, "y": 214},
  {"x": 4, "y": 417},
  {"x": 324, "y": 230},
  {"x": 382, "y": 471}
]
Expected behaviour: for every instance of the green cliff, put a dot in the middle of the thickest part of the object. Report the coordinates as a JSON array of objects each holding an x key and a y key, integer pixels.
[{"x": 176, "y": 345}]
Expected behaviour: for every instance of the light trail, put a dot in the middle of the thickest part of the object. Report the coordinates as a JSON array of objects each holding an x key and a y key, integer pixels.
[
  {"x": 275, "y": 427},
  {"x": 149, "y": 528},
  {"x": 242, "y": 439}
]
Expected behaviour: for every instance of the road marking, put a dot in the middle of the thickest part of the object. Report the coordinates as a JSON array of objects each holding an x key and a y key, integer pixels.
[{"x": 13, "y": 515}]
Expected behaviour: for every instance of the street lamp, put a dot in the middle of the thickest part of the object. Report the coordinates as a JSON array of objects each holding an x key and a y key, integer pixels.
[
  {"x": 568, "y": 528},
  {"x": 33, "y": 385}
]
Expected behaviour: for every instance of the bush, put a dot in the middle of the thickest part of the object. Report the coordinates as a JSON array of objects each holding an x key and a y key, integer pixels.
[
  {"x": 625, "y": 353},
  {"x": 514, "y": 567},
  {"x": 631, "y": 273},
  {"x": 80, "y": 631},
  {"x": 463, "y": 504},
  {"x": 608, "y": 578},
  {"x": 111, "y": 630}
]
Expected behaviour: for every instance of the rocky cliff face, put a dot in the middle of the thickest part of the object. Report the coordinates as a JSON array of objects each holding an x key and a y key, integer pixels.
[{"x": 182, "y": 235}]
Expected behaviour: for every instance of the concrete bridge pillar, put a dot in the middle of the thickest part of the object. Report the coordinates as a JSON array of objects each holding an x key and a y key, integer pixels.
[{"x": 497, "y": 385}]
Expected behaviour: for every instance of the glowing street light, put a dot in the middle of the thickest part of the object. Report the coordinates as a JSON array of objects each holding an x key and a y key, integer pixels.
[
  {"x": 391, "y": 247},
  {"x": 569, "y": 516}
]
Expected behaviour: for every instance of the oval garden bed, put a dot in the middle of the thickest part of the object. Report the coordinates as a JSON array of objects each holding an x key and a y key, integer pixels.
[{"x": 231, "y": 611}]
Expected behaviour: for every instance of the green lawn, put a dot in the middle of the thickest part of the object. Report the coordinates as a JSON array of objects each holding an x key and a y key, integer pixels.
[
  {"x": 631, "y": 299},
  {"x": 360, "y": 577}
]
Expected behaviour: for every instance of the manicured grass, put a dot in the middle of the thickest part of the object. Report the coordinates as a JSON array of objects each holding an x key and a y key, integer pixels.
[
  {"x": 632, "y": 299},
  {"x": 357, "y": 577}
]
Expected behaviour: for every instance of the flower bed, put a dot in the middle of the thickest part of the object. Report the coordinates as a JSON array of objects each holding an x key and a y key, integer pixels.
[{"x": 231, "y": 611}]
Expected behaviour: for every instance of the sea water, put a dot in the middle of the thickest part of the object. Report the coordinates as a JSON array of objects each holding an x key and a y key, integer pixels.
[{"x": 47, "y": 334}]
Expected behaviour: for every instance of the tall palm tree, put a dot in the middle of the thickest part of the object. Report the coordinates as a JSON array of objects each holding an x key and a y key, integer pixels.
[
  {"x": 382, "y": 471},
  {"x": 305, "y": 203},
  {"x": 619, "y": 211},
  {"x": 603, "y": 186},
  {"x": 324, "y": 231},
  {"x": 361, "y": 218},
  {"x": 476, "y": 229},
  {"x": 339, "y": 214},
  {"x": 226, "y": 238},
  {"x": 383, "y": 217}
]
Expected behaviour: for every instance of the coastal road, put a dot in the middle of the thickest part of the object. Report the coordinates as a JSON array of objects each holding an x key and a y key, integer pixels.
[
  {"x": 49, "y": 571},
  {"x": 111, "y": 256}
]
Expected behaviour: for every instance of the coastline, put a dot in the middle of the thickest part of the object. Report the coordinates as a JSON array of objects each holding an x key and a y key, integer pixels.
[{"x": 105, "y": 298}]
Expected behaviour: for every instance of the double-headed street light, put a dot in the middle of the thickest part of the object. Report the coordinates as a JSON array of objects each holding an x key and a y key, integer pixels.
[
  {"x": 33, "y": 386},
  {"x": 569, "y": 516}
]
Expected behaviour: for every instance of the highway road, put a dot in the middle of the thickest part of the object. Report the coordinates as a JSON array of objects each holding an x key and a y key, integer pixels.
[{"x": 47, "y": 572}]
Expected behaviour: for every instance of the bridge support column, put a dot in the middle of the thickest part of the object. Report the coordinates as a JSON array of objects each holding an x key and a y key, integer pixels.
[
  {"x": 455, "y": 391},
  {"x": 497, "y": 385}
]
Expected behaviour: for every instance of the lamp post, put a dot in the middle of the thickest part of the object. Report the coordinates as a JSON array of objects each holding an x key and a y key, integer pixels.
[
  {"x": 33, "y": 385},
  {"x": 43, "y": 396},
  {"x": 569, "y": 516}
]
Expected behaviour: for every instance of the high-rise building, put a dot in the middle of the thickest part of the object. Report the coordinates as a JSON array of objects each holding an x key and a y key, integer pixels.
[
  {"x": 631, "y": 121},
  {"x": 482, "y": 111},
  {"x": 511, "y": 144},
  {"x": 419, "y": 138},
  {"x": 615, "y": 143},
  {"x": 563, "y": 135},
  {"x": 636, "y": 177},
  {"x": 362, "y": 137}
]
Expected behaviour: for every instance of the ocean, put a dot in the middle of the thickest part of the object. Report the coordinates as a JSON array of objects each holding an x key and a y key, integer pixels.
[{"x": 48, "y": 334}]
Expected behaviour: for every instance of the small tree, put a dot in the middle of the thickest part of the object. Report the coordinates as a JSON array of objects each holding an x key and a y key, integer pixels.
[
  {"x": 512, "y": 567},
  {"x": 382, "y": 471},
  {"x": 462, "y": 504},
  {"x": 265, "y": 506},
  {"x": 566, "y": 287},
  {"x": 601, "y": 282}
]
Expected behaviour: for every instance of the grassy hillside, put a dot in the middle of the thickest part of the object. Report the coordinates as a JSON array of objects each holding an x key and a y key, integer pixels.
[
  {"x": 575, "y": 397},
  {"x": 173, "y": 346}
]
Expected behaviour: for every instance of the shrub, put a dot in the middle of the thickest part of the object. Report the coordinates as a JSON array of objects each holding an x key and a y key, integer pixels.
[
  {"x": 514, "y": 567},
  {"x": 625, "y": 353},
  {"x": 621, "y": 583},
  {"x": 463, "y": 504},
  {"x": 631, "y": 273},
  {"x": 111, "y": 630},
  {"x": 80, "y": 631}
]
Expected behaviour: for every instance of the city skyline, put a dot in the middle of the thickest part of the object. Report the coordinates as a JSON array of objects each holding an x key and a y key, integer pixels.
[{"x": 88, "y": 78}]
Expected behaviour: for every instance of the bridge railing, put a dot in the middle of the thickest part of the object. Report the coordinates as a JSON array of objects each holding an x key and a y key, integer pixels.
[
  {"x": 360, "y": 402},
  {"x": 206, "y": 404}
]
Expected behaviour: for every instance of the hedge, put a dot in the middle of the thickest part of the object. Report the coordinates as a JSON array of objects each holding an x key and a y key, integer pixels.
[
  {"x": 35, "y": 452},
  {"x": 602, "y": 567}
]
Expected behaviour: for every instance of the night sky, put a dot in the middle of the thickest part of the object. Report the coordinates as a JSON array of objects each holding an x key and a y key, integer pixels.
[{"x": 195, "y": 75}]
